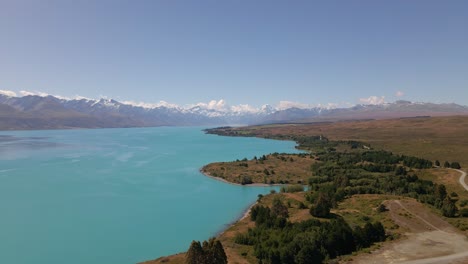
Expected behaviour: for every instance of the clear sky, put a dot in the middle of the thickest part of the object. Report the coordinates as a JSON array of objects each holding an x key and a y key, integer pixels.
[{"x": 245, "y": 52}]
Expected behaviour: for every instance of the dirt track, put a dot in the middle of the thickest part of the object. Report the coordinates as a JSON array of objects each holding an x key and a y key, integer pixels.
[
  {"x": 462, "y": 179},
  {"x": 429, "y": 239}
]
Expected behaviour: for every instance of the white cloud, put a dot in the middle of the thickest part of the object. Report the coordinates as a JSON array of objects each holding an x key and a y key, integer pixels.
[
  {"x": 399, "y": 94},
  {"x": 373, "y": 100},
  {"x": 42, "y": 94},
  {"x": 26, "y": 93},
  {"x": 217, "y": 105},
  {"x": 150, "y": 105},
  {"x": 288, "y": 104},
  {"x": 214, "y": 105},
  {"x": 166, "y": 104},
  {"x": 328, "y": 106},
  {"x": 79, "y": 97},
  {"x": 244, "y": 108},
  {"x": 62, "y": 97},
  {"x": 8, "y": 93}
]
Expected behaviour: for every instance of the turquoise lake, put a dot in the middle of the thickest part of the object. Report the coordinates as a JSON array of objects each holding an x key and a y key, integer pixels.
[{"x": 116, "y": 195}]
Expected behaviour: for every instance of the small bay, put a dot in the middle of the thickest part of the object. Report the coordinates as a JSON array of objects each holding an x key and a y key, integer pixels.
[{"x": 116, "y": 195}]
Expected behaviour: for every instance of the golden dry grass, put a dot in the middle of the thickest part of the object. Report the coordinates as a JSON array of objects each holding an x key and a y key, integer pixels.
[
  {"x": 442, "y": 138},
  {"x": 359, "y": 209}
]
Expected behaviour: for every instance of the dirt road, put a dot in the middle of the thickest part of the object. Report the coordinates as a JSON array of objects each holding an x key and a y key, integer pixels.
[
  {"x": 429, "y": 238},
  {"x": 462, "y": 179}
]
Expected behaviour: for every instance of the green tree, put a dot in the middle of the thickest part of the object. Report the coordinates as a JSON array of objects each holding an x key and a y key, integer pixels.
[
  {"x": 382, "y": 208},
  {"x": 360, "y": 238},
  {"x": 449, "y": 209},
  {"x": 246, "y": 180},
  {"x": 322, "y": 206},
  {"x": 194, "y": 254},
  {"x": 212, "y": 252},
  {"x": 455, "y": 165},
  {"x": 446, "y": 164},
  {"x": 374, "y": 232},
  {"x": 379, "y": 231},
  {"x": 308, "y": 253},
  {"x": 400, "y": 170},
  {"x": 464, "y": 212},
  {"x": 437, "y": 163},
  {"x": 279, "y": 209},
  {"x": 440, "y": 192}
]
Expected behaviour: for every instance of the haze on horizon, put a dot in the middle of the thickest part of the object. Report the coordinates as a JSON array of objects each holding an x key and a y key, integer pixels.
[{"x": 245, "y": 52}]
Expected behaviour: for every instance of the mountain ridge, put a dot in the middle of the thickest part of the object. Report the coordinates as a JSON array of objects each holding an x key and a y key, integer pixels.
[{"x": 50, "y": 112}]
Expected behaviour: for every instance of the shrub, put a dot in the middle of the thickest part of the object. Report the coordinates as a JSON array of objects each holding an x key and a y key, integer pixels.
[
  {"x": 246, "y": 180},
  {"x": 382, "y": 208},
  {"x": 464, "y": 212},
  {"x": 292, "y": 188},
  {"x": 455, "y": 165}
]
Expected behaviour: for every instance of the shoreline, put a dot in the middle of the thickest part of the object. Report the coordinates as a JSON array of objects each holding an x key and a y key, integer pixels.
[{"x": 244, "y": 215}]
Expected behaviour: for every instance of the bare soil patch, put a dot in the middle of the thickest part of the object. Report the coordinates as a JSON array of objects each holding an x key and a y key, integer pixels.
[{"x": 428, "y": 236}]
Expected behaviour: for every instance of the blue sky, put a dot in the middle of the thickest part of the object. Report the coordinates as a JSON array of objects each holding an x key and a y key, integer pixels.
[{"x": 245, "y": 52}]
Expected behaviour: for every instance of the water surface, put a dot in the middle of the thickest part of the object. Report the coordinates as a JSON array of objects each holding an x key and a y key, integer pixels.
[{"x": 116, "y": 195}]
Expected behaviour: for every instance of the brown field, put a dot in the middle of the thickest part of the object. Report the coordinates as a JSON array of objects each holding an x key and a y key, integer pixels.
[{"x": 442, "y": 138}]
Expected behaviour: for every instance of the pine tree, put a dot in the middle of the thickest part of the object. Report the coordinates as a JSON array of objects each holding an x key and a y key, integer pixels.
[
  {"x": 380, "y": 231},
  {"x": 279, "y": 209},
  {"x": 212, "y": 252},
  {"x": 440, "y": 191},
  {"x": 455, "y": 165},
  {"x": 322, "y": 206},
  {"x": 194, "y": 254},
  {"x": 449, "y": 209},
  {"x": 218, "y": 256}
]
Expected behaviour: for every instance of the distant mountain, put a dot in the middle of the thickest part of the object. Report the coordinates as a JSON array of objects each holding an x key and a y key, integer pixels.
[
  {"x": 397, "y": 109},
  {"x": 49, "y": 112}
]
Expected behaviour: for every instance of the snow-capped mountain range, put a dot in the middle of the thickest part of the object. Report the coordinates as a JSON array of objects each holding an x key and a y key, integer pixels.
[{"x": 50, "y": 112}]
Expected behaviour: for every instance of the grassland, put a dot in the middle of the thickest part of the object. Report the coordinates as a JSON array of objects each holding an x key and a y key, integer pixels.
[{"x": 433, "y": 138}]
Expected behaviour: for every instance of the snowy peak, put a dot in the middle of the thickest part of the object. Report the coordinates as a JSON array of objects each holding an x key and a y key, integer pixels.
[{"x": 34, "y": 111}]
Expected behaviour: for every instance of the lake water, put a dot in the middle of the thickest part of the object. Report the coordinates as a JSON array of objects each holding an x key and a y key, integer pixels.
[{"x": 116, "y": 195}]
